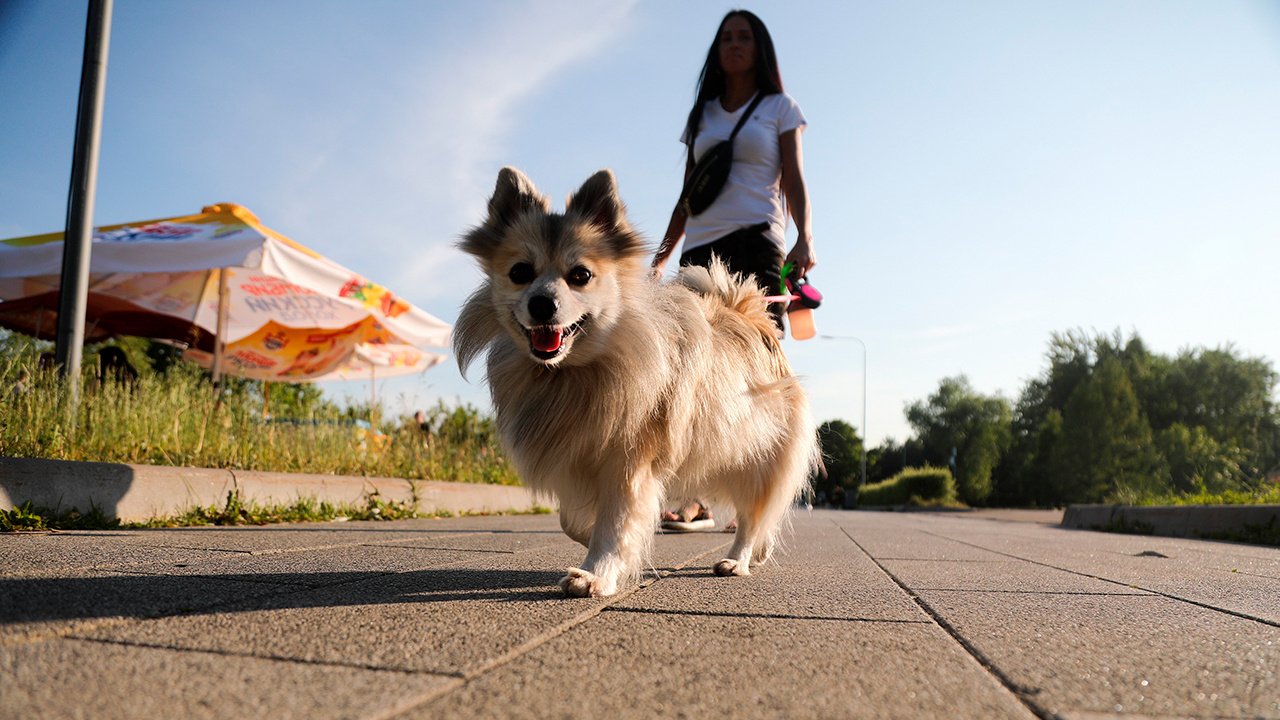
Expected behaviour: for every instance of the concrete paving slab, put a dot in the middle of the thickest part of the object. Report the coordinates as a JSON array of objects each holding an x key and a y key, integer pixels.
[
  {"x": 899, "y": 536},
  {"x": 34, "y": 607},
  {"x": 278, "y": 538},
  {"x": 80, "y": 679},
  {"x": 696, "y": 666},
  {"x": 1148, "y": 655},
  {"x": 1204, "y": 572},
  {"x": 311, "y": 568},
  {"x": 1008, "y": 576},
  {"x": 478, "y": 541},
  {"x": 65, "y": 552},
  {"x": 837, "y": 581},
  {"x": 435, "y": 620}
]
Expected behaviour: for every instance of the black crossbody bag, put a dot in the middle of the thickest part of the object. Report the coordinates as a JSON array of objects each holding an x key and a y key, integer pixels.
[{"x": 708, "y": 177}]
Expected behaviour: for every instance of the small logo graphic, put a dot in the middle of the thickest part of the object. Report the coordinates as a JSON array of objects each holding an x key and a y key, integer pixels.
[
  {"x": 374, "y": 297},
  {"x": 276, "y": 340}
]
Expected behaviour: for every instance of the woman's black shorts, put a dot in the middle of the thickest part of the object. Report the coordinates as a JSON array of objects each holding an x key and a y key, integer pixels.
[{"x": 748, "y": 252}]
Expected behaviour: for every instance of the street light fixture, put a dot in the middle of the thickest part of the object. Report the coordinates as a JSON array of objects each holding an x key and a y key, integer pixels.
[{"x": 862, "y": 436}]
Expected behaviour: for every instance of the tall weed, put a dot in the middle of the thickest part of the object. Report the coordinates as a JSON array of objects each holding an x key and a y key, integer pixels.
[{"x": 179, "y": 418}]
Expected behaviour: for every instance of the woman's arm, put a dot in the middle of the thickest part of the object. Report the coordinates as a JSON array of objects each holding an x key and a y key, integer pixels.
[
  {"x": 675, "y": 231},
  {"x": 797, "y": 193}
]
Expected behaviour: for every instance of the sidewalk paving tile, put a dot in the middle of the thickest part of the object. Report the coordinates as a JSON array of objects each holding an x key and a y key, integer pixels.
[
  {"x": 630, "y": 664},
  {"x": 37, "y": 606},
  {"x": 438, "y": 620},
  {"x": 104, "y": 681},
  {"x": 312, "y": 568},
  {"x": 821, "y": 575},
  {"x": 1147, "y": 655},
  {"x": 1005, "y": 576},
  {"x": 305, "y": 536},
  {"x": 65, "y": 552},
  {"x": 1197, "y": 574}
]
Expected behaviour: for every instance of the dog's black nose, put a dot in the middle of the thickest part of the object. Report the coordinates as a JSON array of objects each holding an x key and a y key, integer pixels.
[{"x": 542, "y": 308}]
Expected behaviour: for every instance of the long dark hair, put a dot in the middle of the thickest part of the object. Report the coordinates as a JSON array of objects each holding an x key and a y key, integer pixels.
[{"x": 711, "y": 79}]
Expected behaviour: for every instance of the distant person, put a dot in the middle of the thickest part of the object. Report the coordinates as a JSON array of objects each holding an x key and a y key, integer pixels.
[
  {"x": 424, "y": 425},
  {"x": 114, "y": 366},
  {"x": 746, "y": 225},
  {"x": 23, "y": 384}
]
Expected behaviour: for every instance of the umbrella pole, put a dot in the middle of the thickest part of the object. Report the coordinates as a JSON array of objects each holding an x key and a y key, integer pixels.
[{"x": 221, "y": 330}]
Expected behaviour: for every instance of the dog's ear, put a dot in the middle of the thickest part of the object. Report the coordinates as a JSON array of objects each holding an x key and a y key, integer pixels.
[
  {"x": 513, "y": 195},
  {"x": 597, "y": 202}
]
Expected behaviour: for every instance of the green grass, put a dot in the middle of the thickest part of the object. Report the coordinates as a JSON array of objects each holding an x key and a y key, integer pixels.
[
  {"x": 178, "y": 418},
  {"x": 234, "y": 512},
  {"x": 1267, "y": 495}
]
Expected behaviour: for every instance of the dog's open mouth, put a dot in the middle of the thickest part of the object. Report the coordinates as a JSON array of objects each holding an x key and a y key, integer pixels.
[{"x": 547, "y": 341}]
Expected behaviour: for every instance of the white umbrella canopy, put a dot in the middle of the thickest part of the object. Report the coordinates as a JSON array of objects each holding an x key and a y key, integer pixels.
[{"x": 287, "y": 312}]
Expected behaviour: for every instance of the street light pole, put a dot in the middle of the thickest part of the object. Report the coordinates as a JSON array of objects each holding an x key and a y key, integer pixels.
[
  {"x": 74, "y": 290},
  {"x": 862, "y": 436}
]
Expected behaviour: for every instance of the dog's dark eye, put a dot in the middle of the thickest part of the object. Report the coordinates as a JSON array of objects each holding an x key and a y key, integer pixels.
[
  {"x": 579, "y": 276},
  {"x": 521, "y": 273}
]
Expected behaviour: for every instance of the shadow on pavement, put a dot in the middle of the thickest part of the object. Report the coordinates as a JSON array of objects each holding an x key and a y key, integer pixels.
[{"x": 27, "y": 600}]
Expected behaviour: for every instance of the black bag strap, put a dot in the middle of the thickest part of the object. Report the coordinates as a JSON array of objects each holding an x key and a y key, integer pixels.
[{"x": 741, "y": 121}]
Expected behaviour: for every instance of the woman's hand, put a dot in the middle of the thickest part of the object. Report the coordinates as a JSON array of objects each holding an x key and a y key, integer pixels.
[{"x": 802, "y": 255}]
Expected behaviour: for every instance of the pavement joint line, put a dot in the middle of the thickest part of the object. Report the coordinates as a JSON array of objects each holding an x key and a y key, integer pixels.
[
  {"x": 263, "y": 656},
  {"x": 226, "y": 578},
  {"x": 445, "y": 549},
  {"x": 1020, "y": 692},
  {"x": 902, "y": 559},
  {"x": 1040, "y": 592},
  {"x": 548, "y": 635},
  {"x": 307, "y": 548},
  {"x": 763, "y": 616},
  {"x": 1170, "y": 596}
]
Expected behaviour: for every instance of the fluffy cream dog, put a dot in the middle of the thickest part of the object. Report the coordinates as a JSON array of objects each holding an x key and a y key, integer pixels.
[{"x": 613, "y": 391}]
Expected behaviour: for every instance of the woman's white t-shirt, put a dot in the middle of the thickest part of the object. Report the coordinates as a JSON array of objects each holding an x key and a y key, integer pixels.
[{"x": 752, "y": 193}]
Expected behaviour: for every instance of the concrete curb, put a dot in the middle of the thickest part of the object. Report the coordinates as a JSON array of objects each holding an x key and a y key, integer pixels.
[
  {"x": 135, "y": 493},
  {"x": 1191, "y": 521}
]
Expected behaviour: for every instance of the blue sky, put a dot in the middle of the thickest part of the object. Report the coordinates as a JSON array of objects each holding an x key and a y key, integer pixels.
[{"x": 982, "y": 173}]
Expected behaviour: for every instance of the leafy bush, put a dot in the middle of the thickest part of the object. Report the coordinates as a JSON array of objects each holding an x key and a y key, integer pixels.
[{"x": 925, "y": 486}]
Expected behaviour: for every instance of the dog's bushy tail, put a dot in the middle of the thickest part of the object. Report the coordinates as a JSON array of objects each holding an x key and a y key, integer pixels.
[{"x": 739, "y": 294}]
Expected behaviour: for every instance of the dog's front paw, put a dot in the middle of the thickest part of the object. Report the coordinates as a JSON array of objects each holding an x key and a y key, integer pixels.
[
  {"x": 580, "y": 583},
  {"x": 727, "y": 567}
]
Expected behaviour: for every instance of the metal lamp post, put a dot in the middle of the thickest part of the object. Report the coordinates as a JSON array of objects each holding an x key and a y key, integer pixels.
[
  {"x": 862, "y": 436},
  {"x": 74, "y": 290}
]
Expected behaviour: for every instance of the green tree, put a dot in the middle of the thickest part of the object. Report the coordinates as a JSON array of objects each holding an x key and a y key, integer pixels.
[
  {"x": 1230, "y": 397},
  {"x": 842, "y": 454},
  {"x": 1105, "y": 451},
  {"x": 1197, "y": 463},
  {"x": 958, "y": 424}
]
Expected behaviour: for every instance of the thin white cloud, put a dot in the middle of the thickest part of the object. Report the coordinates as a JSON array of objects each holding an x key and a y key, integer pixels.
[
  {"x": 457, "y": 135},
  {"x": 396, "y": 182}
]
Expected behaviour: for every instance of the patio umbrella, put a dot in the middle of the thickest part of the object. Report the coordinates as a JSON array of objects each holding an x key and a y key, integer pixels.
[{"x": 241, "y": 297}]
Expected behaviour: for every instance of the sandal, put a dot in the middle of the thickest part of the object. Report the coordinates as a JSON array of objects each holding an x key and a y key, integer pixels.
[{"x": 702, "y": 520}]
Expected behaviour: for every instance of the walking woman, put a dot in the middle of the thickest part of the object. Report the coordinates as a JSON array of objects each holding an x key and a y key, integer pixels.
[{"x": 745, "y": 226}]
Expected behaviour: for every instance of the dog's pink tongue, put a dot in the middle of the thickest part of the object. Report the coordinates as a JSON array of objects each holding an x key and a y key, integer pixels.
[{"x": 546, "y": 339}]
